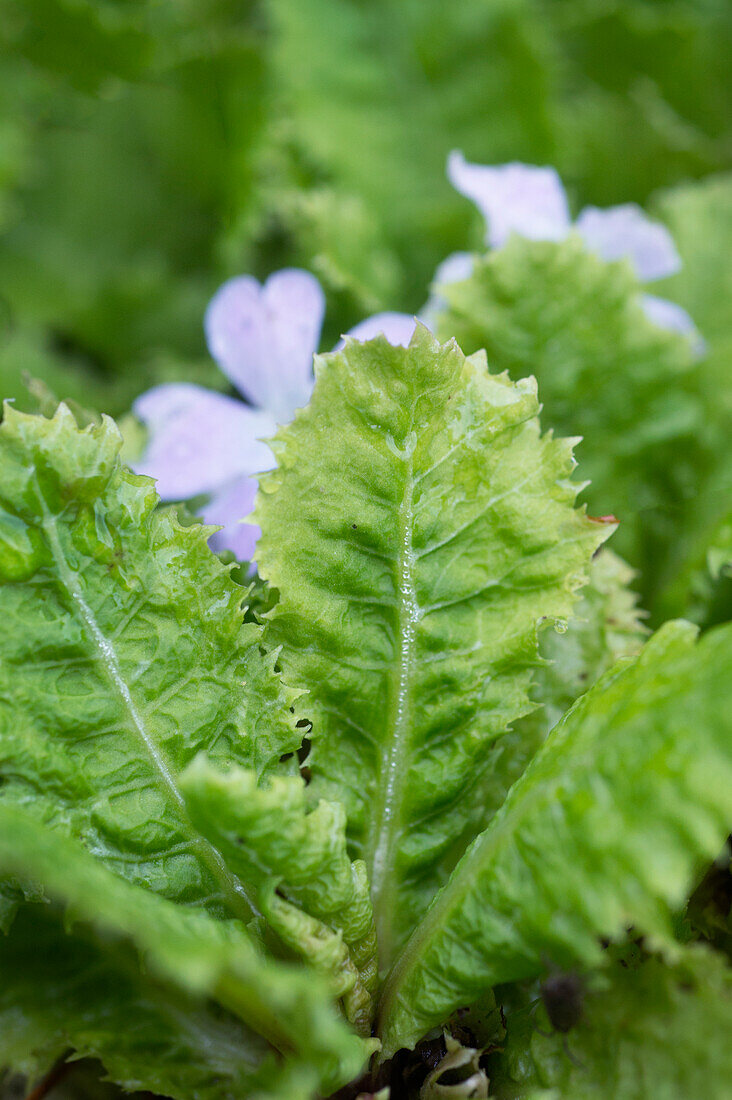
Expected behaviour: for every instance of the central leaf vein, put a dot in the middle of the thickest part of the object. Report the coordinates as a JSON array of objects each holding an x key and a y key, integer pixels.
[{"x": 392, "y": 765}]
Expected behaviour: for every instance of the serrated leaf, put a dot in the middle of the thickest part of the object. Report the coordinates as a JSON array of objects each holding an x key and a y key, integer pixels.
[
  {"x": 648, "y": 1030},
  {"x": 185, "y": 949},
  {"x": 417, "y": 528},
  {"x": 268, "y": 837},
  {"x": 605, "y": 372},
  {"x": 126, "y": 655},
  {"x": 606, "y": 625},
  {"x": 605, "y": 829}
]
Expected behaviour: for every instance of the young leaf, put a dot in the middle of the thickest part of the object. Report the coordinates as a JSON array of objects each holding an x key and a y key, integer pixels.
[
  {"x": 647, "y": 1030},
  {"x": 417, "y": 528},
  {"x": 266, "y": 832},
  {"x": 185, "y": 948},
  {"x": 125, "y": 655},
  {"x": 605, "y": 371},
  {"x": 604, "y": 829}
]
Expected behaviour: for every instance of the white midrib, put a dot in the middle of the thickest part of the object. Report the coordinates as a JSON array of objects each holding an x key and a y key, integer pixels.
[
  {"x": 239, "y": 901},
  {"x": 392, "y": 771}
]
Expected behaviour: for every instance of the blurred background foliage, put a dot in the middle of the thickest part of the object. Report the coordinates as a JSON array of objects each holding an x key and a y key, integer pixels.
[{"x": 150, "y": 149}]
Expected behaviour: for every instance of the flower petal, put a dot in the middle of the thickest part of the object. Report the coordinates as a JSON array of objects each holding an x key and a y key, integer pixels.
[
  {"x": 264, "y": 337},
  {"x": 673, "y": 317},
  {"x": 228, "y": 508},
  {"x": 624, "y": 232},
  {"x": 199, "y": 440},
  {"x": 397, "y": 328},
  {"x": 454, "y": 269},
  {"x": 513, "y": 198}
]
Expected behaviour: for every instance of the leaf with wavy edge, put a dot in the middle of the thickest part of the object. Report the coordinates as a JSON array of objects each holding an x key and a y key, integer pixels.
[
  {"x": 606, "y": 625},
  {"x": 268, "y": 837},
  {"x": 185, "y": 948},
  {"x": 605, "y": 372},
  {"x": 417, "y": 527},
  {"x": 123, "y": 656},
  {"x": 140, "y": 659},
  {"x": 605, "y": 829}
]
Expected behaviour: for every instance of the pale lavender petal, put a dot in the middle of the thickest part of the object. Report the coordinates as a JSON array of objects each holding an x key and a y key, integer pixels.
[
  {"x": 454, "y": 269},
  {"x": 513, "y": 198},
  {"x": 673, "y": 317},
  {"x": 199, "y": 440},
  {"x": 397, "y": 328},
  {"x": 227, "y": 509},
  {"x": 624, "y": 232},
  {"x": 264, "y": 337}
]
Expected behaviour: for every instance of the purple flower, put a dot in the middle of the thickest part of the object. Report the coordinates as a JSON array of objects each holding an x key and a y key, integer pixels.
[
  {"x": 513, "y": 198},
  {"x": 396, "y": 327},
  {"x": 263, "y": 338},
  {"x": 531, "y": 201}
]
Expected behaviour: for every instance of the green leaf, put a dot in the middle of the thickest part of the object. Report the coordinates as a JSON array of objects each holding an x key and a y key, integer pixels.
[
  {"x": 605, "y": 372},
  {"x": 62, "y": 992},
  {"x": 605, "y": 829},
  {"x": 605, "y": 626},
  {"x": 184, "y": 948},
  {"x": 124, "y": 655},
  {"x": 699, "y": 216},
  {"x": 647, "y": 1030},
  {"x": 127, "y": 657},
  {"x": 266, "y": 832},
  {"x": 417, "y": 528}
]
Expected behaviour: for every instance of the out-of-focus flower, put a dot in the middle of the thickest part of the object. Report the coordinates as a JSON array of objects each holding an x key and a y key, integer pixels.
[
  {"x": 513, "y": 198},
  {"x": 454, "y": 269},
  {"x": 531, "y": 201},
  {"x": 202, "y": 443},
  {"x": 396, "y": 327},
  {"x": 205, "y": 443}
]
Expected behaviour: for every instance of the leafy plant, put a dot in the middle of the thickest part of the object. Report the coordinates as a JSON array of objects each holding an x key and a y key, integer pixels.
[
  {"x": 113, "y": 236},
  {"x": 499, "y": 778},
  {"x": 549, "y": 308}
]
